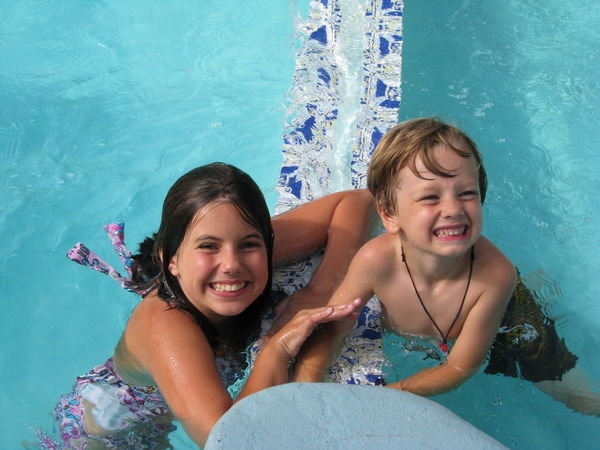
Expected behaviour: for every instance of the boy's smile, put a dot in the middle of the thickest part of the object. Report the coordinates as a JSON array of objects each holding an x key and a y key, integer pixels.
[
  {"x": 437, "y": 214},
  {"x": 451, "y": 232},
  {"x": 221, "y": 264}
]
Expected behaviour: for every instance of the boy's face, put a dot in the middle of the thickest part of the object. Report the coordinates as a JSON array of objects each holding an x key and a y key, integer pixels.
[{"x": 434, "y": 214}]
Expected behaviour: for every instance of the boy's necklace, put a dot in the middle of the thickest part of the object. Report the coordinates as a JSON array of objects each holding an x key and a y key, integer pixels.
[{"x": 444, "y": 343}]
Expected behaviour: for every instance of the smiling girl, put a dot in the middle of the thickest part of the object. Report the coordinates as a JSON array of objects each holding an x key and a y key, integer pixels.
[{"x": 207, "y": 278}]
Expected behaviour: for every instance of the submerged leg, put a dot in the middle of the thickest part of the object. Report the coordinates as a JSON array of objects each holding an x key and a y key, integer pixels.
[
  {"x": 574, "y": 390},
  {"x": 527, "y": 346}
]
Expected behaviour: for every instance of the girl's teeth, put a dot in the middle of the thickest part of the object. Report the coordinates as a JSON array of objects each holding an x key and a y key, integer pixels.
[{"x": 228, "y": 287}]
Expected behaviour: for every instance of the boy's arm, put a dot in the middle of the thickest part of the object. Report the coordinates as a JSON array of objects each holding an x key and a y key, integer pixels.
[
  {"x": 317, "y": 354},
  {"x": 473, "y": 343}
]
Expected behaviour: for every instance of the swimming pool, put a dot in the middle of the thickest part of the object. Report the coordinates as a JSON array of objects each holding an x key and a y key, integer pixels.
[
  {"x": 102, "y": 107},
  {"x": 103, "y": 112},
  {"x": 520, "y": 78}
]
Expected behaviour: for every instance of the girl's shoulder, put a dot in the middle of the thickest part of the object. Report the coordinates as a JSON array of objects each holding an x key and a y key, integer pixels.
[
  {"x": 155, "y": 327},
  {"x": 151, "y": 304},
  {"x": 153, "y": 314}
]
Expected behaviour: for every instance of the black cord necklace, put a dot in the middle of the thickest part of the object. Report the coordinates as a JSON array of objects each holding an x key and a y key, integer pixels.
[{"x": 444, "y": 343}]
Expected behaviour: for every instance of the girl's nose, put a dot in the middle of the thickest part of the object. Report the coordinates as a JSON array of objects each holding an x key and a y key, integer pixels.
[{"x": 230, "y": 261}]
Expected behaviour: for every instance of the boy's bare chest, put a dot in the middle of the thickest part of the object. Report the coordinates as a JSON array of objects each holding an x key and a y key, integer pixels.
[{"x": 409, "y": 311}]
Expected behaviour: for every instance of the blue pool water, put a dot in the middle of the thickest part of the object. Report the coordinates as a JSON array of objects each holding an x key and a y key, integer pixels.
[
  {"x": 103, "y": 106},
  {"x": 521, "y": 78}
]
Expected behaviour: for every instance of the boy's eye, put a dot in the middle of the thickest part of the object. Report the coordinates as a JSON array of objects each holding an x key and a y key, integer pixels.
[
  {"x": 429, "y": 198},
  {"x": 468, "y": 195}
]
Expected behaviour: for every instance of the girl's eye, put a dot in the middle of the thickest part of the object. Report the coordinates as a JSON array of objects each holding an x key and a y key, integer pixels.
[
  {"x": 207, "y": 246},
  {"x": 250, "y": 245}
]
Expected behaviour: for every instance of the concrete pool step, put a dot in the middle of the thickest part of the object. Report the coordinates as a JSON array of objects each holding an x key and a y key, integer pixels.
[{"x": 338, "y": 416}]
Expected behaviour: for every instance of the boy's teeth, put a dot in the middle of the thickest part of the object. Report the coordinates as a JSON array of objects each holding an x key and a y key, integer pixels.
[
  {"x": 451, "y": 232},
  {"x": 228, "y": 287}
]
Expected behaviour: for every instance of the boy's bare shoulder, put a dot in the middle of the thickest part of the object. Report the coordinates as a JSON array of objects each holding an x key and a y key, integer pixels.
[
  {"x": 379, "y": 254},
  {"x": 488, "y": 253},
  {"x": 495, "y": 267}
]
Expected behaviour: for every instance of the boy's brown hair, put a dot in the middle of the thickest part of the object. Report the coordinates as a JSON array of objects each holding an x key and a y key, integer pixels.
[{"x": 401, "y": 146}]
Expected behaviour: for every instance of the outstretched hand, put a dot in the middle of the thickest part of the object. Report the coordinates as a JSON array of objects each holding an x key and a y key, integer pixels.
[
  {"x": 290, "y": 336},
  {"x": 307, "y": 298}
]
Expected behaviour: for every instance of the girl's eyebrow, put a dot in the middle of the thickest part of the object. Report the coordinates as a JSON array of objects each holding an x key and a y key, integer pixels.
[{"x": 208, "y": 237}]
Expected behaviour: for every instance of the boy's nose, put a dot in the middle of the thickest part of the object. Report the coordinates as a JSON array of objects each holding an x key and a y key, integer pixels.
[{"x": 451, "y": 207}]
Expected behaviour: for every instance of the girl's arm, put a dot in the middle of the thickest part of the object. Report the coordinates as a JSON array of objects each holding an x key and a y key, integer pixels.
[
  {"x": 340, "y": 223},
  {"x": 273, "y": 362},
  {"x": 169, "y": 345}
]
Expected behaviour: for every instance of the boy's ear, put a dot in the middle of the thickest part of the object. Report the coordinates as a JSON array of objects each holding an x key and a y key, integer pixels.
[{"x": 390, "y": 221}]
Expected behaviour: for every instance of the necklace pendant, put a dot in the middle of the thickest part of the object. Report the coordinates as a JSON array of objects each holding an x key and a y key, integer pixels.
[{"x": 444, "y": 347}]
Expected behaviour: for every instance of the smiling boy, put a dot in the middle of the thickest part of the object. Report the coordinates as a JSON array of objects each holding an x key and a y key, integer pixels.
[{"x": 433, "y": 272}]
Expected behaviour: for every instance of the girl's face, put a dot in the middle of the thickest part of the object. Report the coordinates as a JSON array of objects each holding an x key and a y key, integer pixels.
[{"x": 222, "y": 264}]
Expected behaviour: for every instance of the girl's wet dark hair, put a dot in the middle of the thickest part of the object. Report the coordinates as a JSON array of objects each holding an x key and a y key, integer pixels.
[{"x": 200, "y": 187}]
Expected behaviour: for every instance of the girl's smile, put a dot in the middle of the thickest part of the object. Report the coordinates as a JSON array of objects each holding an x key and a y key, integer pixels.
[
  {"x": 221, "y": 265},
  {"x": 226, "y": 289}
]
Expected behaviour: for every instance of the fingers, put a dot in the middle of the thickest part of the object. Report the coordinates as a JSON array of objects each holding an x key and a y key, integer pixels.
[
  {"x": 307, "y": 319},
  {"x": 294, "y": 333},
  {"x": 338, "y": 312},
  {"x": 321, "y": 315},
  {"x": 345, "y": 310}
]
